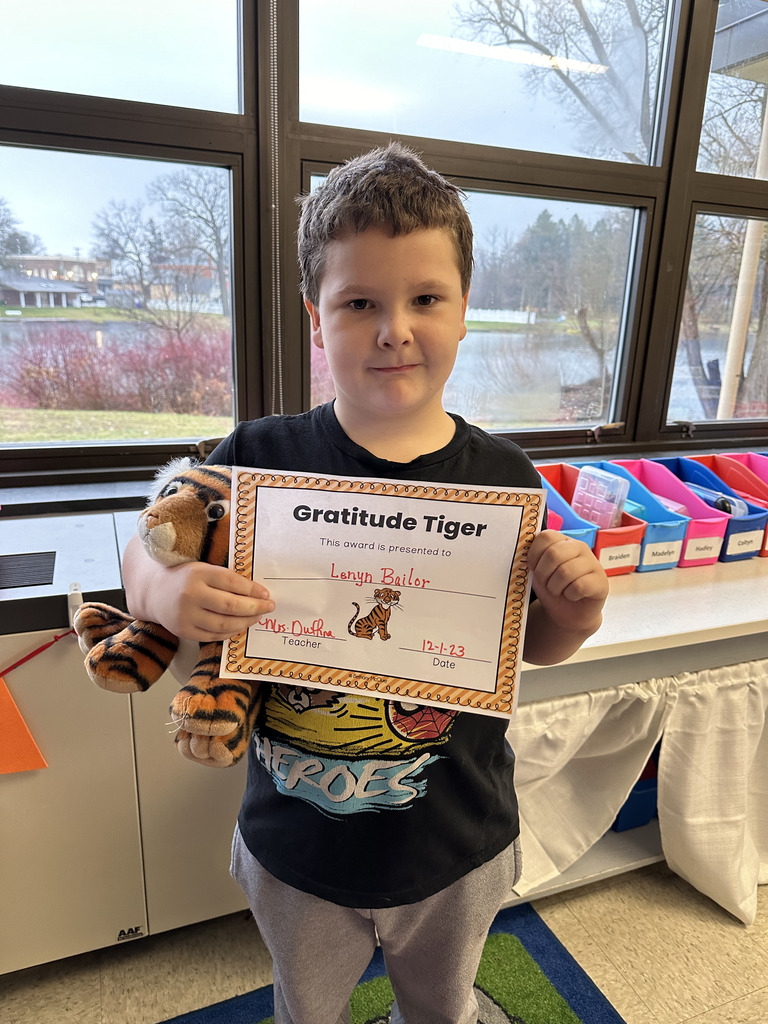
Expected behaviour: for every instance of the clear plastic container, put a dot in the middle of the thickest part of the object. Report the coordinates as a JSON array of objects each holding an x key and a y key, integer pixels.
[
  {"x": 599, "y": 496},
  {"x": 724, "y": 502}
]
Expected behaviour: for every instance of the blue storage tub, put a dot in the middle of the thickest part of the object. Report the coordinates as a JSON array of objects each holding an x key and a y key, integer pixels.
[
  {"x": 662, "y": 543},
  {"x": 573, "y": 525},
  {"x": 744, "y": 535},
  {"x": 641, "y": 806}
]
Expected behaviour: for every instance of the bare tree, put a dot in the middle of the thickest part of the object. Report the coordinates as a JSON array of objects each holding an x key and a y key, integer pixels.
[
  {"x": 133, "y": 243},
  {"x": 197, "y": 201},
  {"x": 618, "y": 40},
  {"x": 14, "y": 243}
]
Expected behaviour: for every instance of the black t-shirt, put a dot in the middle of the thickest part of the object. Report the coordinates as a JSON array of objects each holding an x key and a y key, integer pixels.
[{"x": 360, "y": 800}]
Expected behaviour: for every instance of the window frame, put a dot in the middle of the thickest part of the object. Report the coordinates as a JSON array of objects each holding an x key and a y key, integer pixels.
[{"x": 271, "y": 154}]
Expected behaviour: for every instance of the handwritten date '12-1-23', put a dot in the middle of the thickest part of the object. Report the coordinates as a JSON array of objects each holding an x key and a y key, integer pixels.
[{"x": 452, "y": 650}]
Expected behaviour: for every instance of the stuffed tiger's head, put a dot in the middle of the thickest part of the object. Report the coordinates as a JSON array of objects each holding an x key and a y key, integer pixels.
[{"x": 187, "y": 519}]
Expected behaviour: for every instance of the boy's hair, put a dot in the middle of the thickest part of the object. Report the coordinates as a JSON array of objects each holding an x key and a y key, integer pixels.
[{"x": 389, "y": 187}]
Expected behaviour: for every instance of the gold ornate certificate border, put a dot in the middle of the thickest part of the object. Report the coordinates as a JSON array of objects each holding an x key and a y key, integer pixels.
[{"x": 501, "y": 702}]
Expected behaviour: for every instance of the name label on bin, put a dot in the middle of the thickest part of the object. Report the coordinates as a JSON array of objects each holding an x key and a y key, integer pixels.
[
  {"x": 661, "y": 553},
  {"x": 620, "y": 554},
  {"x": 741, "y": 543},
  {"x": 703, "y": 547}
]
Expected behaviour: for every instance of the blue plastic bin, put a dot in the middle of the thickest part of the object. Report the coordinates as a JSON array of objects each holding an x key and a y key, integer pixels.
[
  {"x": 573, "y": 525},
  {"x": 662, "y": 544}
]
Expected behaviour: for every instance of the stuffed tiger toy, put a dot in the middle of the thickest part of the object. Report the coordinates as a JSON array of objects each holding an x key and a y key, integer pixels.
[
  {"x": 377, "y": 618},
  {"x": 187, "y": 520}
]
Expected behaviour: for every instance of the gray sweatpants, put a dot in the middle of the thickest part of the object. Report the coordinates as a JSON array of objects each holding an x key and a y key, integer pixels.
[{"x": 431, "y": 948}]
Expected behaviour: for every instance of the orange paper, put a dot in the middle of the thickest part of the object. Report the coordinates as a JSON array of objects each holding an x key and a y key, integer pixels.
[{"x": 18, "y": 750}]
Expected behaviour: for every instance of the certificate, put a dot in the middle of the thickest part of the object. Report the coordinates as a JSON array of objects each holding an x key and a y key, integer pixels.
[{"x": 410, "y": 590}]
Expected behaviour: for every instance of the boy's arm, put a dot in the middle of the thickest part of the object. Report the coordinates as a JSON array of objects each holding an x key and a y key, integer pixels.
[
  {"x": 195, "y": 600},
  {"x": 571, "y": 587}
]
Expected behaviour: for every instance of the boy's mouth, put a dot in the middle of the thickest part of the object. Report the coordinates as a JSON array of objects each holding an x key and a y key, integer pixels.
[{"x": 394, "y": 369}]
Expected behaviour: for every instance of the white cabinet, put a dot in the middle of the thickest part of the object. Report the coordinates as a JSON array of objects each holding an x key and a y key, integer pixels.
[
  {"x": 71, "y": 876},
  {"x": 188, "y": 815}
]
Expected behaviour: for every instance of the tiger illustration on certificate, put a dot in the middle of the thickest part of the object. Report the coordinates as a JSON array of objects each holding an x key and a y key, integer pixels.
[{"x": 410, "y": 590}]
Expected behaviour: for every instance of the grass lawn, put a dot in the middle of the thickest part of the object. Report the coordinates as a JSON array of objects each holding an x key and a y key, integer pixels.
[
  {"x": 45, "y": 425},
  {"x": 98, "y": 314}
]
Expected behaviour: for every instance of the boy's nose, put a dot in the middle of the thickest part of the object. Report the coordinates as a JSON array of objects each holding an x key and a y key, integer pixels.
[{"x": 394, "y": 331}]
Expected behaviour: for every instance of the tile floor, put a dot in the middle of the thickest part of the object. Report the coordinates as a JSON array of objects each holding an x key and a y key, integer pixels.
[{"x": 661, "y": 952}]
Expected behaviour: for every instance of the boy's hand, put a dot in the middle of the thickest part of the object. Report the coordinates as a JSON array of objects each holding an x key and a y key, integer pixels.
[
  {"x": 214, "y": 603},
  {"x": 198, "y": 601},
  {"x": 571, "y": 587}
]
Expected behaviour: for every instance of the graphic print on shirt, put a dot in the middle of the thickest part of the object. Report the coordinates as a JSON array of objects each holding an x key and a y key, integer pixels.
[
  {"x": 347, "y": 754},
  {"x": 377, "y": 618}
]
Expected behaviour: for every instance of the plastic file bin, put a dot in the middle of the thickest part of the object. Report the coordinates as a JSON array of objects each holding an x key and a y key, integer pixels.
[
  {"x": 618, "y": 547},
  {"x": 742, "y": 479},
  {"x": 756, "y": 462},
  {"x": 739, "y": 476},
  {"x": 570, "y": 524},
  {"x": 744, "y": 535},
  {"x": 662, "y": 543},
  {"x": 706, "y": 527}
]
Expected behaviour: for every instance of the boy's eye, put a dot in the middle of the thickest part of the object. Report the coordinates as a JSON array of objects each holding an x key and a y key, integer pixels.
[
  {"x": 425, "y": 300},
  {"x": 359, "y": 304}
]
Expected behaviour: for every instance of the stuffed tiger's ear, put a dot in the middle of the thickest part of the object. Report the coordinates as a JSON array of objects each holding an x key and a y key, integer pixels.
[{"x": 165, "y": 474}]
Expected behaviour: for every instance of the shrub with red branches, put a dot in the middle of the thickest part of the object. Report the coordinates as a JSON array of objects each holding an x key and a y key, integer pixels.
[{"x": 63, "y": 366}]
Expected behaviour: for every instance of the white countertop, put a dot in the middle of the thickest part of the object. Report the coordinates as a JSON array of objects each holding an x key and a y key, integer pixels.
[{"x": 675, "y": 607}]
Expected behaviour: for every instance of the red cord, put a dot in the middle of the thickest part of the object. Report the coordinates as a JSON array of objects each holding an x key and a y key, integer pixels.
[{"x": 35, "y": 653}]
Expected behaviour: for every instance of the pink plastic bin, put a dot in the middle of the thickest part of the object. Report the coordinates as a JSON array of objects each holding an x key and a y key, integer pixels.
[
  {"x": 617, "y": 548},
  {"x": 706, "y": 530}
]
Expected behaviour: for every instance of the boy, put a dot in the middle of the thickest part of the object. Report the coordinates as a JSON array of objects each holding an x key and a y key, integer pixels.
[{"x": 420, "y": 847}]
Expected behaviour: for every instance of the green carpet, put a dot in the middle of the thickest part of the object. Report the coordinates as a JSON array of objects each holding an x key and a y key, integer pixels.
[{"x": 526, "y": 976}]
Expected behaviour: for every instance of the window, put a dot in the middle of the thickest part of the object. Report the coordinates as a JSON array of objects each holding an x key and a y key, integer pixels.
[
  {"x": 559, "y": 120},
  {"x": 613, "y": 155},
  {"x": 537, "y": 76},
  {"x": 115, "y": 319},
  {"x": 734, "y": 134},
  {"x": 721, "y": 368},
  {"x": 128, "y": 225},
  {"x": 175, "y": 52}
]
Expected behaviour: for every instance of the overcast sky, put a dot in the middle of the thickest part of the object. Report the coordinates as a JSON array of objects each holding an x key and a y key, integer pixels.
[{"x": 393, "y": 70}]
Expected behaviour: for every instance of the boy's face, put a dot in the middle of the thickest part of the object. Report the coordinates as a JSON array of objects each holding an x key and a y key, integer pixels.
[{"x": 390, "y": 317}]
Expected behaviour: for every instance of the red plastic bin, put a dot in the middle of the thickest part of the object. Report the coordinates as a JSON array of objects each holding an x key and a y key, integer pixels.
[
  {"x": 740, "y": 471},
  {"x": 617, "y": 548}
]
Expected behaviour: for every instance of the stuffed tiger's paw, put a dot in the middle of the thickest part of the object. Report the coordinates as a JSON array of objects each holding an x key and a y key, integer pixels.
[
  {"x": 220, "y": 751},
  {"x": 211, "y": 751},
  {"x": 123, "y": 654},
  {"x": 208, "y": 705},
  {"x": 215, "y": 721},
  {"x": 94, "y": 622}
]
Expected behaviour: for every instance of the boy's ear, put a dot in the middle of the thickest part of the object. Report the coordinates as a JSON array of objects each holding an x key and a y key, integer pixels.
[
  {"x": 463, "y": 332},
  {"x": 316, "y": 333}
]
